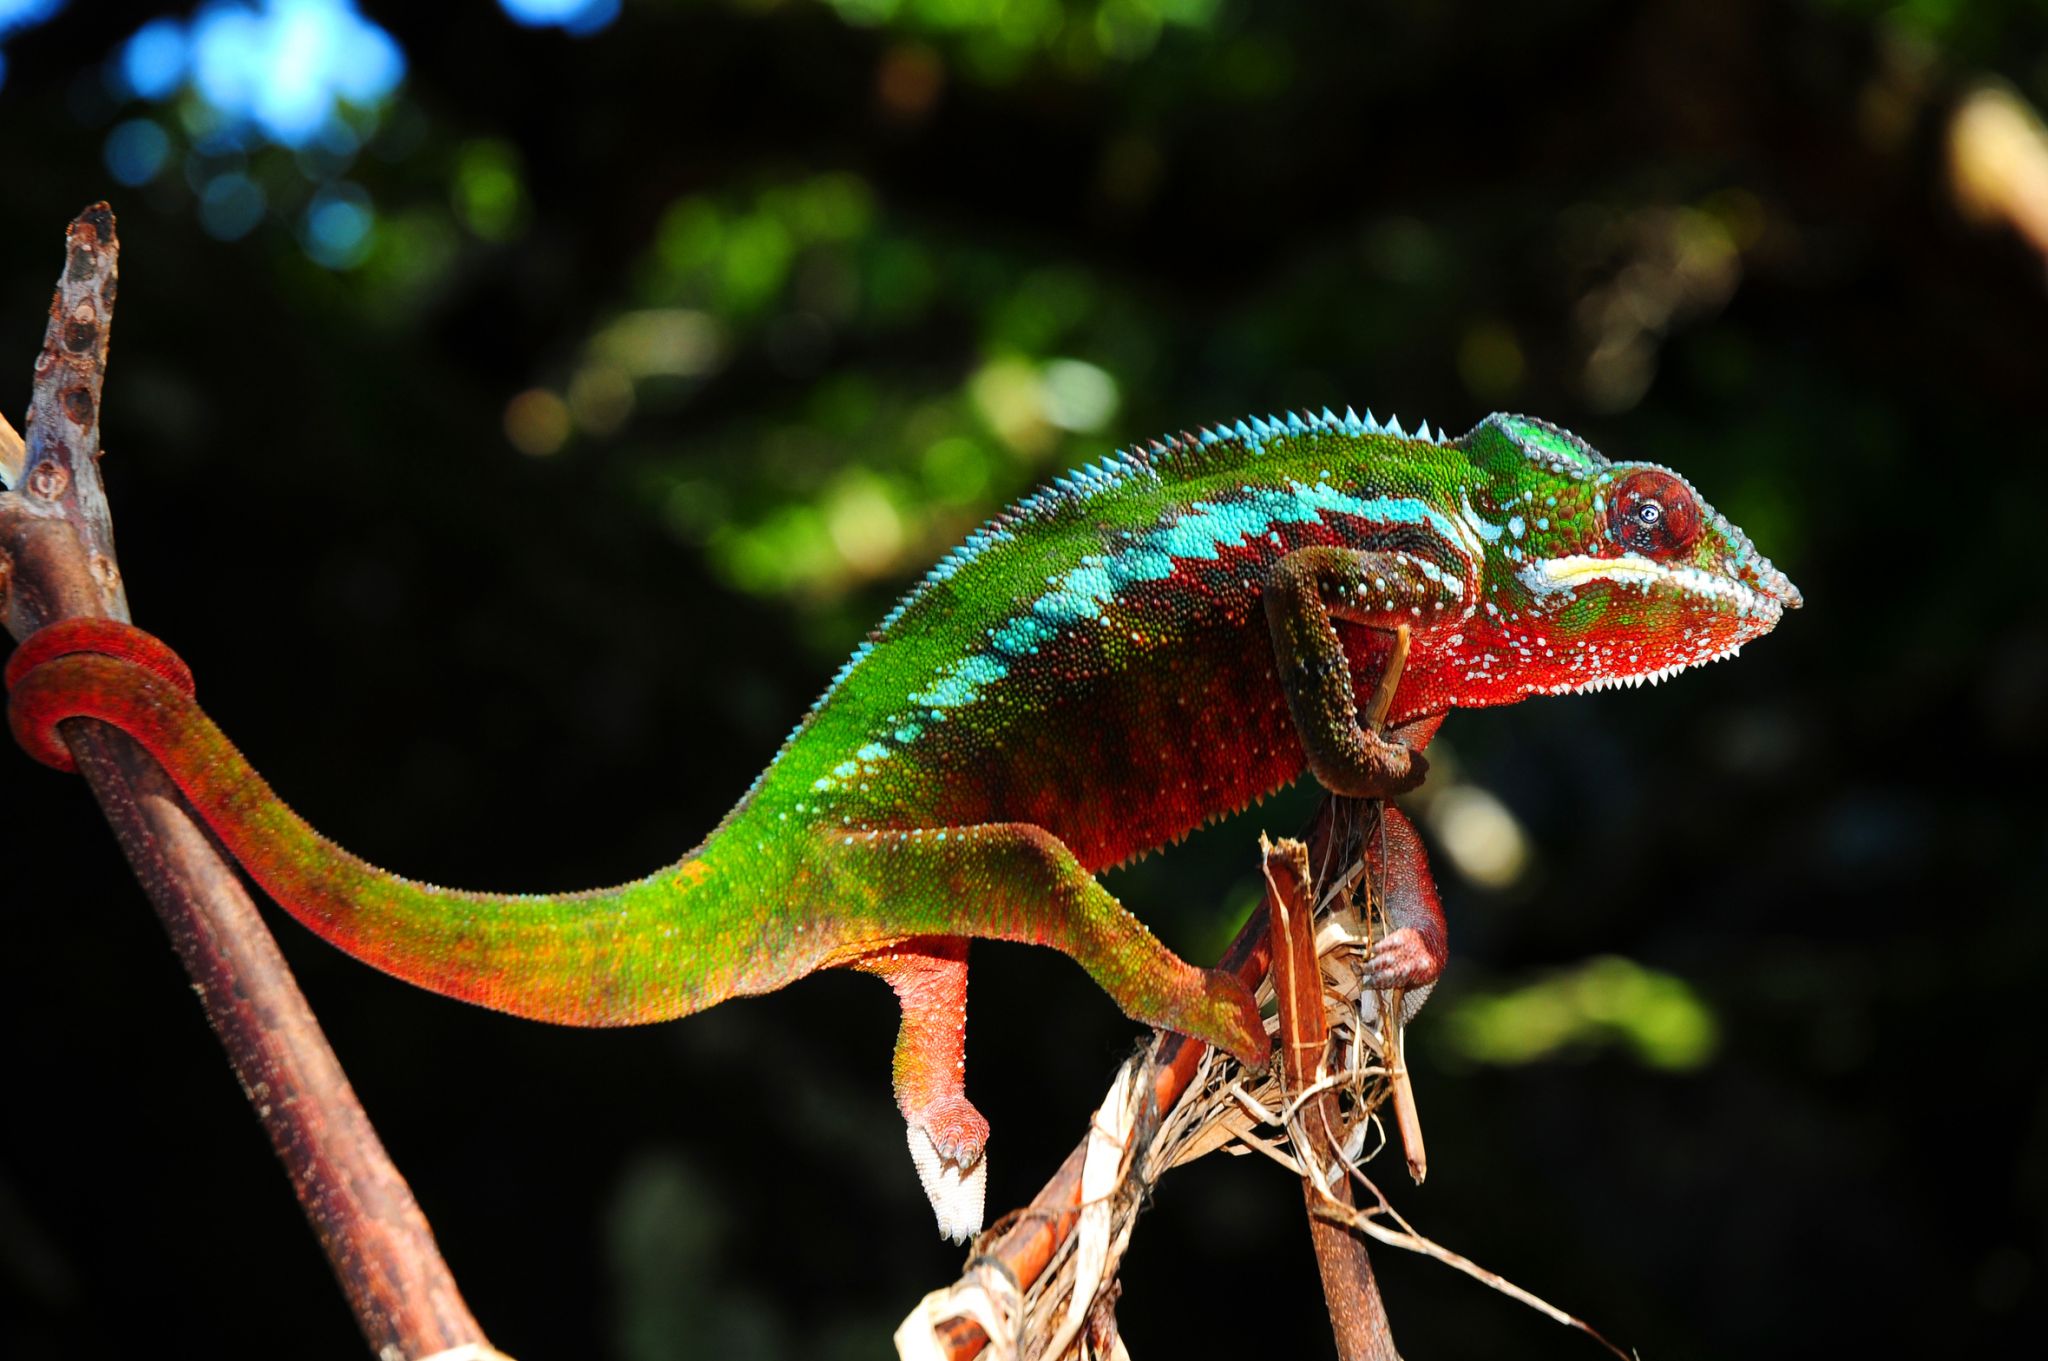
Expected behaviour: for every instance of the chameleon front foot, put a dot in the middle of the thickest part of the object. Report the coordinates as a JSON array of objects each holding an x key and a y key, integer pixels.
[{"x": 1368, "y": 766}]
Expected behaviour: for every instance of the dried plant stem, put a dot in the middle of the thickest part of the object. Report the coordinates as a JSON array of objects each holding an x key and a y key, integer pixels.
[
  {"x": 57, "y": 562},
  {"x": 1020, "y": 1254},
  {"x": 1023, "y": 1251},
  {"x": 1358, "y": 1316}
]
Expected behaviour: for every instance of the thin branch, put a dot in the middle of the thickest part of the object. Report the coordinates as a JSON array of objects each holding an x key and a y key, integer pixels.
[{"x": 57, "y": 562}]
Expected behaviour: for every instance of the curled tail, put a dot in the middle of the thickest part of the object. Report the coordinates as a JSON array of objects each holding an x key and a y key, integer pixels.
[{"x": 658, "y": 947}]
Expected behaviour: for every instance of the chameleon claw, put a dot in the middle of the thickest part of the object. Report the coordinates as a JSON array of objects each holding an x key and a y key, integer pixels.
[
  {"x": 1379, "y": 768},
  {"x": 948, "y": 1145},
  {"x": 1404, "y": 767},
  {"x": 1401, "y": 959}
]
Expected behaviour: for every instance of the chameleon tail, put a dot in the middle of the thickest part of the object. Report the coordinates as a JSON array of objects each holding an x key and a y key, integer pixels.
[{"x": 644, "y": 951}]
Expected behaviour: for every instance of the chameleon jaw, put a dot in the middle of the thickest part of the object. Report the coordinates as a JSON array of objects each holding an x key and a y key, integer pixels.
[
  {"x": 1756, "y": 611},
  {"x": 1640, "y": 678}
]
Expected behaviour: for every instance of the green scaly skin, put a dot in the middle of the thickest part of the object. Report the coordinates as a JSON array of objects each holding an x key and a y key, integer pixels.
[{"x": 1144, "y": 647}]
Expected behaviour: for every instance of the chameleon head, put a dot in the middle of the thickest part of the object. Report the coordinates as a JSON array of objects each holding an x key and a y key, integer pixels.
[{"x": 1602, "y": 574}]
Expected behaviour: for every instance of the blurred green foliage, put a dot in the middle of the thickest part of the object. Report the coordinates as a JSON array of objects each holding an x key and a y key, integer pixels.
[
  {"x": 1604, "y": 1002},
  {"x": 996, "y": 40}
]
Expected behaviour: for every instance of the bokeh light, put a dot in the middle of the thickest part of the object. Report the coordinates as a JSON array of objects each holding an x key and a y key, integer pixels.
[
  {"x": 284, "y": 66},
  {"x": 155, "y": 61},
  {"x": 571, "y": 16},
  {"x": 16, "y": 15},
  {"x": 20, "y": 14},
  {"x": 230, "y": 205},
  {"x": 279, "y": 68},
  {"x": 485, "y": 189},
  {"x": 310, "y": 80},
  {"x": 336, "y": 225},
  {"x": 136, "y": 151},
  {"x": 537, "y": 422}
]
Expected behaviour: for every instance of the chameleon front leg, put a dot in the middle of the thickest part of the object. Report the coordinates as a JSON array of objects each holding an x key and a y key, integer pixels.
[
  {"x": 1305, "y": 591},
  {"x": 948, "y": 1136}
]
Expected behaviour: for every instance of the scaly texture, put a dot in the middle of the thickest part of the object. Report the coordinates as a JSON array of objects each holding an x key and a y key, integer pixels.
[{"x": 1148, "y": 645}]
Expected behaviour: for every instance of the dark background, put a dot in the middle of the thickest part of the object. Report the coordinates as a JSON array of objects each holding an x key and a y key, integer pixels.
[{"x": 855, "y": 271}]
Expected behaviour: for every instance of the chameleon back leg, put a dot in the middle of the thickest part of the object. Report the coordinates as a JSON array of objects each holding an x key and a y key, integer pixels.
[
  {"x": 1018, "y": 882},
  {"x": 948, "y": 1136}
]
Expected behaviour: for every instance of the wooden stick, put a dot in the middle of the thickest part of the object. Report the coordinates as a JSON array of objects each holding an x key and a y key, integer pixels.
[{"x": 57, "y": 562}]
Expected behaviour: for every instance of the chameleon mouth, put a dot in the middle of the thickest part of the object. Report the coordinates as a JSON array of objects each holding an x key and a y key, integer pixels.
[
  {"x": 1756, "y": 611},
  {"x": 1631, "y": 681}
]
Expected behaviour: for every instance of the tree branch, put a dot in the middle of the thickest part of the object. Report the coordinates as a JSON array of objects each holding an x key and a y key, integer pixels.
[{"x": 56, "y": 562}]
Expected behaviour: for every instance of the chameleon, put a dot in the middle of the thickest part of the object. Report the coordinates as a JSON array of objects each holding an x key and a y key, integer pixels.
[{"x": 1146, "y": 645}]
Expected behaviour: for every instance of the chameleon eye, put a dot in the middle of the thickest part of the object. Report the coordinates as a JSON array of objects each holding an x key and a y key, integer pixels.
[{"x": 1653, "y": 513}]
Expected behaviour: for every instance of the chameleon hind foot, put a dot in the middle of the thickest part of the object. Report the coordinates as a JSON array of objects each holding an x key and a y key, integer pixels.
[
  {"x": 1226, "y": 1017},
  {"x": 1401, "y": 959},
  {"x": 1411, "y": 956},
  {"x": 948, "y": 1146}
]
